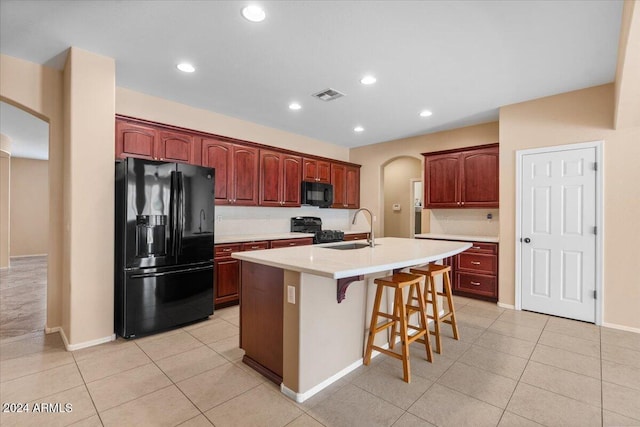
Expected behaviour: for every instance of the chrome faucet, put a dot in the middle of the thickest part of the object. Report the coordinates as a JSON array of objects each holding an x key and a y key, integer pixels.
[
  {"x": 203, "y": 216},
  {"x": 371, "y": 239}
]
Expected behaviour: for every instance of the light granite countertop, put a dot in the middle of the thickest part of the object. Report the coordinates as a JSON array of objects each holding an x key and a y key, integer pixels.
[
  {"x": 458, "y": 237},
  {"x": 388, "y": 254}
]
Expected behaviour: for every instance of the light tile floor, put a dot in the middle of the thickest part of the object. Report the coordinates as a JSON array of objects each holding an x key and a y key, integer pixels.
[{"x": 509, "y": 369}]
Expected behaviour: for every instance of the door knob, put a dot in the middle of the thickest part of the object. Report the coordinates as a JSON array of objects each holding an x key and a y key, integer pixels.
[{"x": 527, "y": 240}]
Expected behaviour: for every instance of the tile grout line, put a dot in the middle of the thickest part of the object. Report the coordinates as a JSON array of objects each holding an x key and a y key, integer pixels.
[
  {"x": 522, "y": 373},
  {"x": 87, "y": 389}
]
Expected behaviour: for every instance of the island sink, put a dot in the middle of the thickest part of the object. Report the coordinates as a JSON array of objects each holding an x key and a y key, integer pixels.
[{"x": 349, "y": 246}]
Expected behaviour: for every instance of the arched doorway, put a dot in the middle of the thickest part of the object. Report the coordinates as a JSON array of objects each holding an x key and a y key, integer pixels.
[
  {"x": 24, "y": 222},
  {"x": 398, "y": 202}
]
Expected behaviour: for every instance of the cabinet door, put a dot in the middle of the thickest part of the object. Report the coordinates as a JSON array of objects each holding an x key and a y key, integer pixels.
[
  {"x": 352, "y": 190},
  {"x": 291, "y": 179},
  {"x": 218, "y": 155},
  {"x": 175, "y": 147},
  {"x": 309, "y": 170},
  {"x": 270, "y": 178},
  {"x": 441, "y": 176},
  {"x": 316, "y": 170},
  {"x": 227, "y": 280},
  {"x": 339, "y": 181},
  {"x": 479, "y": 172},
  {"x": 134, "y": 140},
  {"x": 244, "y": 181}
]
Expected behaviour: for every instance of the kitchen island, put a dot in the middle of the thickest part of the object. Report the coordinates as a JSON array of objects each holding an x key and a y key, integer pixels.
[{"x": 305, "y": 311}]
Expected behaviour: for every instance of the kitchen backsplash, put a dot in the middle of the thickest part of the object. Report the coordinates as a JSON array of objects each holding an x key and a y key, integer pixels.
[
  {"x": 234, "y": 220},
  {"x": 472, "y": 222}
]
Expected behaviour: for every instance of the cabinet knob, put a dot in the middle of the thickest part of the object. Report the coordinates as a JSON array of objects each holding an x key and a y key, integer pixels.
[
  {"x": 475, "y": 262},
  {"x": 475, "y": 283},
  {"x": 463, "y": 203}
]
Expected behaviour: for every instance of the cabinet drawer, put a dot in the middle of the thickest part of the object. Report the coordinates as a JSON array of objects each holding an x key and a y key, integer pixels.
[
  {"x": 485, "y": 248},
  {"x": 255, "y": 246},
  {"x": 477, "y": 284},
  {"x": 290, "y": 242},
  {"x": 482, "y": 263},
  {"x": 226, "y": 250}
]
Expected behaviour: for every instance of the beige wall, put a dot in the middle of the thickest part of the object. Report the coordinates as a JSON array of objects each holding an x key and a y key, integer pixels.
[
  {"x": 627, "y": 84},
  {"x": 38, "y": 90},
  {"x": 374, "y": 157},
  {"x": 29, "y": 207},
  {"x": 139, "y": 105},
  {"x": 397, "y": 189},
  {"x": 5, "y": 182},
  {"x": 89, "y": 141},
  {"x": 580, "y": 116}
]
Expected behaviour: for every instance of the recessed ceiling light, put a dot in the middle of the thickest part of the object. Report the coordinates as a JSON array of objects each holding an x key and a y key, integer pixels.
[
  {"x": 295, "y": 106},
  {"x": 254, "y": 13},
  {"x": 425, "y": 113},
  {"x": 368, "y": 80},
  {"x": 187, "y": 68},
  {"x": 358, "y": 129}
]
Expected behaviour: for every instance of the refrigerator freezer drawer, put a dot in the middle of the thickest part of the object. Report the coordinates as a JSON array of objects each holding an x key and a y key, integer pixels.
[{"x": 153, "y": 301}]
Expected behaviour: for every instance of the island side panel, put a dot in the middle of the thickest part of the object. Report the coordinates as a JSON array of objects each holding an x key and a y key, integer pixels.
[
  {"x": 291, "y": 331},
  {"x": 331, "y": 334},
  {"x": 261, "y": 318}
]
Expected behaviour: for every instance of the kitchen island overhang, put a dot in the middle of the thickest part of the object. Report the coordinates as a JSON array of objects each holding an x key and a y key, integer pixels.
[{"x": 293, "y": 327}]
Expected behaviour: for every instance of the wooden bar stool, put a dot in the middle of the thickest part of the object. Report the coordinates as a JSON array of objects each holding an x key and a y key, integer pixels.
[
  {"x": 431, "y": 297},
  {"x": 399, "y": 317}
]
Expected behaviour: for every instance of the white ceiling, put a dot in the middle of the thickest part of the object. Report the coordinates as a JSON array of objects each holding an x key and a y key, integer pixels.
[{"x": 460, "y": 59}]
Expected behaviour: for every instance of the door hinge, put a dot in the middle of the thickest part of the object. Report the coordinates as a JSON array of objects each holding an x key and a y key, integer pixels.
[
  {"x": 595, "y": 294},
  {"x": 595, "y": 166},
  {"x": 595, "y": 230}
]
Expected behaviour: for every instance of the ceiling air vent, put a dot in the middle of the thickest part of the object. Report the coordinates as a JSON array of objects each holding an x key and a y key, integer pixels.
[{"x": 328, "y": 94}]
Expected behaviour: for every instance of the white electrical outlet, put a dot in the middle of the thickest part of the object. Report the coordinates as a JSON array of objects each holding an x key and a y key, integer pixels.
[
  {"x": 219, "y": 218},
  {"x": 291, "y": 294}
]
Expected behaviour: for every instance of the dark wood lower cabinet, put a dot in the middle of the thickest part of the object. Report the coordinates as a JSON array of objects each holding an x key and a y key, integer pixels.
[
  {"x": 261, "y": 319},
  {"x": 356, "y": 236},
  {"x": 475, "y": 272},
  {"x": 227, "y": 269}
]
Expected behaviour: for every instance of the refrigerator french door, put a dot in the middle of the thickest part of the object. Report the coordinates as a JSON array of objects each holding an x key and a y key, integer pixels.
[{"x": 163, "y": 245}]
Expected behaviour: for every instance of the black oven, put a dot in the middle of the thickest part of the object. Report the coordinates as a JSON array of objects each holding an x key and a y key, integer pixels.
[{"x": 317, "y": 194}]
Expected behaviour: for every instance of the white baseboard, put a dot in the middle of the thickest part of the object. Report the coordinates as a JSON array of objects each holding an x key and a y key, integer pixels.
[
  {"x": 621, "y": 327},
  {"x": 509, "y": 306},
  {"x": 73, "y": 347},
  {"x": 301, "y": 397}
]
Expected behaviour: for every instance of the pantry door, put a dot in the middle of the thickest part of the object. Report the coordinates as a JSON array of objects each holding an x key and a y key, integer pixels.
[{"x": 558, "y": 256}]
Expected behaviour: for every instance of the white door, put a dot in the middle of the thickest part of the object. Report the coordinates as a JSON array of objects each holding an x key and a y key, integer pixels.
[{"x": 558, "y": 241}]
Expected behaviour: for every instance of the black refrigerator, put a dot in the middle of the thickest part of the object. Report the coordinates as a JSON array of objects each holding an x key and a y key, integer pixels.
[{"x": 164, "y": 216}]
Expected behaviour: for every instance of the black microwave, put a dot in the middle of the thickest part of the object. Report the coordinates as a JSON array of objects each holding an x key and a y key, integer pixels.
[{"x": 317, "y": 194}]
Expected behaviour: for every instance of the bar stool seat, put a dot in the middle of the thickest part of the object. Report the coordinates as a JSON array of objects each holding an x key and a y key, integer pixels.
[
  {"x": 431, "y": 297},
  {"x": 399, "y": 318}
]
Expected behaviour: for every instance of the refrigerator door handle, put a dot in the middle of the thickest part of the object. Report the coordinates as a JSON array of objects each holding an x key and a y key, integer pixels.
[
  {"x": 181, "y": 213},
  {"x": 173, "y": 212},
  {"x": 168, "y": 273}
]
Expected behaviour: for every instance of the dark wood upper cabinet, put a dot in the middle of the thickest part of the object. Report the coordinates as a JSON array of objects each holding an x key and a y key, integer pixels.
[
  {"x": 465, "y": 178},
  {"x": 316, "y": 170},
  {"x": 135, "y": 140},
  {"x": 247, "y": 173},
  {"x": 346, "y": 186},
  {"x": 280, "y": 177},
  {"x": 480, "y": 169},
  {"x": 339, "y": 181},
  {"x": 175, "y": 147},
  {"x": 442, "y": 181},
  {"x": 236, "y": 171},
  {"x": 147, "y": 142}
]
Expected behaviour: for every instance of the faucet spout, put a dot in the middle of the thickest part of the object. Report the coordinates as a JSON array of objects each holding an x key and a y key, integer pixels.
[{"x": 371, "y": 239}]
